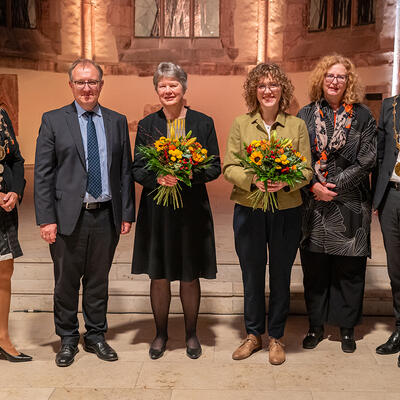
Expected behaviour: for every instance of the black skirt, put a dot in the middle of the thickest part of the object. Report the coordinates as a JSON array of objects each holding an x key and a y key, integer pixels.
[
  {"x": 9, "y": 245},
  {"x": 175, "y": 244}
]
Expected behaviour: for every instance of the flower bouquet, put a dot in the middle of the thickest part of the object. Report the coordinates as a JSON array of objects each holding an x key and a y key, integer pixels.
[
  {"x": 272, "y": 160},
  {"x": 179, "y": 157}
]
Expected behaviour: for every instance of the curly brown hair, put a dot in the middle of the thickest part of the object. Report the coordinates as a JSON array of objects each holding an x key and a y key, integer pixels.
[
  {"x": 354, "y": 92},
  {"x": 275, "y": 73}
]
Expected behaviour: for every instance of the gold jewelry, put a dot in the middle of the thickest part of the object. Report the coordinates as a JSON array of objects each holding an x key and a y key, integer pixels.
[
  {"x": 395, "y": 133},
  {"x": 2, "y": 153},
  {"x": 1, "y": 168},
  {"x": 397, "y": 169}
]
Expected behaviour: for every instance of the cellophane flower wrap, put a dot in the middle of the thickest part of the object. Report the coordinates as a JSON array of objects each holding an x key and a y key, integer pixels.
[
  {"x": 176, "y": 156},
  {"x": 272, "y": 160}
]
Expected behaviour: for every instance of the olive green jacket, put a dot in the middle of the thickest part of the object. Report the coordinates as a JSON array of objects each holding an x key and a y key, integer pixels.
[{"x": 250, "y": 127}]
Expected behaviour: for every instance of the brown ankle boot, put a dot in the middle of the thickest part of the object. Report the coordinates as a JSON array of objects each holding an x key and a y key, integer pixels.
[
  {"x": 249, "y": 346},
  {"x": 276, "y": 352}
]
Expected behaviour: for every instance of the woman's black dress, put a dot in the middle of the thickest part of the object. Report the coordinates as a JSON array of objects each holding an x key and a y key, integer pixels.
[
  {"x": 11, "y": 180},
  {"x": 175, "y": 244}
]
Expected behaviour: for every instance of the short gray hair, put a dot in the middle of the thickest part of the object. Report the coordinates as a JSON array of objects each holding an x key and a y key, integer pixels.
[
  {"x": 84, "y": 62},
  {"x": 170, "y": 70}
]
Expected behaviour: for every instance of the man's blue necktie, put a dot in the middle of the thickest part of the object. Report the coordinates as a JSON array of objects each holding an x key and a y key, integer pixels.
[{"x": 94, "y": 187}]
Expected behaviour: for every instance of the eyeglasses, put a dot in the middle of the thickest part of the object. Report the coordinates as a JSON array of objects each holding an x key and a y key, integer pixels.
[
  {"x": 81, "y": 84},
  {"x": 339, "y": 78},
  {"x": 273, "y": 87}
]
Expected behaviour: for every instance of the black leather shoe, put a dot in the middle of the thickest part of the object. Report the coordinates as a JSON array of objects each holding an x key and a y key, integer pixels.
[
  {"x": 157, "y": 353},
  {"x": 193, "y": 352},
  {"x": 102, "y": 349},
  {"x": 392, "y": 346},
  {"x": 21, "y": 357},
  {"x": 313, "y": 337},
  {"x": 348, "y": 342},
  {"x": 66, "y": 355}
]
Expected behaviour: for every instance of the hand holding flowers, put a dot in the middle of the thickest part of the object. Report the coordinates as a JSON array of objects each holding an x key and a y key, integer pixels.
[
  {"x": 173, "y": 160},
  {"x": 276, "y": 164}
]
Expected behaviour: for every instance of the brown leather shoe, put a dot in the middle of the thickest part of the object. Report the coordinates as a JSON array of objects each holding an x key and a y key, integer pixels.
[
  {"x": 276, "y": 352},
  {"x": 249, "y": 346}
]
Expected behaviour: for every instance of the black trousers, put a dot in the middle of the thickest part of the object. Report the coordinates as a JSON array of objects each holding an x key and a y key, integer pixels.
[
  {"x": 85, "y": 255},
  {"x": 333, "y": 288},
  {"x": 389, "y": 217},
  {"x": 254, "y": 232}
]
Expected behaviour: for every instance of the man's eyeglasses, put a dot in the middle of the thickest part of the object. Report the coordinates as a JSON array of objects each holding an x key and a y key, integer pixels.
[
  {"x": 273, "y": 87},
  {"x": 81, "y": 84},
  {"x": 339, "y": 78}
]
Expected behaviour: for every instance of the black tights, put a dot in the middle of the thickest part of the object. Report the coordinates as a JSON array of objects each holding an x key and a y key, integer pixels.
[{"x": 160, "y": 295}]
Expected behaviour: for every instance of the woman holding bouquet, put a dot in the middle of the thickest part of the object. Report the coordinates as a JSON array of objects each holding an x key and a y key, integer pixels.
[
  {"x": 11, "y": 188},
  {"x": 337, "y": 203},
  {"x": 175, "y": 244},
  {"x": 268, "y": 93}
]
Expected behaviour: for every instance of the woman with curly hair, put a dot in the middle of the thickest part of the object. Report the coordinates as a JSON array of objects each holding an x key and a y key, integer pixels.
[
  {"x": 337, "y": 203},
  {"x": 268, "y": 93}
]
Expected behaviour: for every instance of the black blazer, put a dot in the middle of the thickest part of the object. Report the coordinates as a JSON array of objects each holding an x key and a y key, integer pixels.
[
  {"x": 60, "y": 169},
  {"x": 154, "y": 126},
  {"x": 387, "y": 151}
]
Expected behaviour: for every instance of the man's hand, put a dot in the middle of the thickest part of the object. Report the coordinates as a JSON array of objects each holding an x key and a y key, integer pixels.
[
  {"x": 322, "y": 192},
  {"x": 9, "y": 201},
  {"x": 48, "y": 232},
  {"x": 167, "y": 180},
  {"x": 125, "y": 227}
]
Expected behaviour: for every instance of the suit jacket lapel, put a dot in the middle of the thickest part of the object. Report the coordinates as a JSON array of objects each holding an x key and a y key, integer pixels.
[
  {"x": 75, "y": 130},
  {"x": 108, "y": 130}
]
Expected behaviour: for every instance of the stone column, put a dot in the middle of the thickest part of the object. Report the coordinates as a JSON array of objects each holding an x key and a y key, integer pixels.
[
  {"x": 88, "y": 50},
  {"x": 262, "y": 30},
  {"x": 396, "y": 52},
  {"x": 276, "y": 25}
]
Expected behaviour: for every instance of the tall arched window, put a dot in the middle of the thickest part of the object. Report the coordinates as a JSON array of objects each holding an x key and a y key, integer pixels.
[{"x": 177, "y": 18}]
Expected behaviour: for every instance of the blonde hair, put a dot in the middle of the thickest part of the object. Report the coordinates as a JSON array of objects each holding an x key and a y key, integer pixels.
[
  {"x": 354, "y": 92},
  {"x": 273, "y": 72}
]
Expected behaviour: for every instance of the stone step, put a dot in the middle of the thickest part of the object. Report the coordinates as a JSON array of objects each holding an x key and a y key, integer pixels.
[{"x": 33, "y": 285}]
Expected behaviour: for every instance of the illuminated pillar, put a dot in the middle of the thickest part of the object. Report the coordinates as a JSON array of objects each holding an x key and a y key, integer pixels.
[
  {"x": 276, "y": 22},
  {"x": 396, "y": 52},
  {"x": 88, "y": 28},
  {"x": 262, "y": 30}
]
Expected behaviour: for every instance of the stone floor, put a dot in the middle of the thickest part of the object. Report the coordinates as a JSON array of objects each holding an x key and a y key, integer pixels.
[
  {"x": 321, "y": 374},
  {"x": 325, "y": 373}
]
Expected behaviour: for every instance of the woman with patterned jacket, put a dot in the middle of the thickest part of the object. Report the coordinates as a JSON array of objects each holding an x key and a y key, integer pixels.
[
  {"x": 11, "y": 188},
  {"x": 337, "y": 203}
]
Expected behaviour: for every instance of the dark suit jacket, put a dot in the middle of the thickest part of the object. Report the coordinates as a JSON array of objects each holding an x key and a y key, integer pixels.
[
  {"x": 387, "y": 151},
  {"x": 60, "y": 169}
]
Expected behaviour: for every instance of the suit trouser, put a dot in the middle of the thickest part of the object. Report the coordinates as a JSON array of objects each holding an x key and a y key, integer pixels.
[
  {"x": 389, "y": 217},
  {"x": 333, "y": 288},
  {"x": 86, "y": 254},
  {"x": 255, "y": 231}
]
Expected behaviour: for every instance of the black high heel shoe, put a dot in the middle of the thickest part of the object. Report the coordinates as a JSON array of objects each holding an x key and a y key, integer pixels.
[{"x": 21, "y": 357}]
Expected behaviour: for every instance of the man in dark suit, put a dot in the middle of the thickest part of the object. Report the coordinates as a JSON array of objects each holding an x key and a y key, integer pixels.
[
  {"x": 386, "y": 180},
  {"x": 84, "y": 199}
]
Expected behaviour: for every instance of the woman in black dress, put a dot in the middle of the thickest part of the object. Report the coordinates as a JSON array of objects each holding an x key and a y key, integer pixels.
[
  {"x": 175, "y": 244},
  {"x": 11, "y": 189}
]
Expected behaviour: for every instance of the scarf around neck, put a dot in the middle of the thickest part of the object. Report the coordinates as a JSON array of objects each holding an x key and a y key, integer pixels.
[{"x": 323, "y": 144}]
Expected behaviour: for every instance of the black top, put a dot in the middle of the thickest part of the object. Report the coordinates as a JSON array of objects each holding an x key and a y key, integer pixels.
[
  {"x": 13, "y": 163},
  {"x": 342, "y": 226},
  {"x": 175, "y": 244}
]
